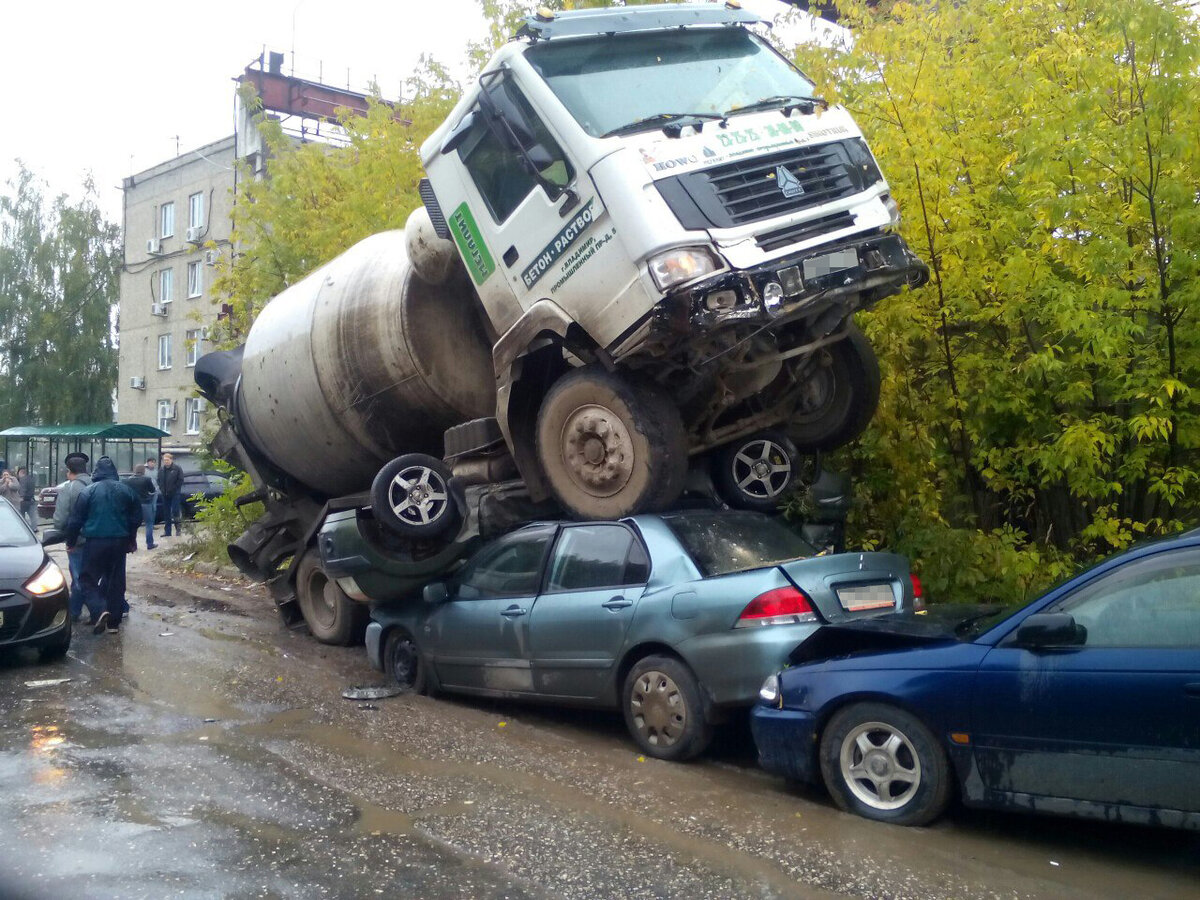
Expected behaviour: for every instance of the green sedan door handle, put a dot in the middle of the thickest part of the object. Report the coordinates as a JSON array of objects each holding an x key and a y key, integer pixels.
[
  {"x": 513, "y": 611},
  {"x": 617, "y": 603}
]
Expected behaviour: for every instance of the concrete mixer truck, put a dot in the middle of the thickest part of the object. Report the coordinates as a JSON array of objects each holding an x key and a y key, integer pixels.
[{"x": 642, "y": 244}]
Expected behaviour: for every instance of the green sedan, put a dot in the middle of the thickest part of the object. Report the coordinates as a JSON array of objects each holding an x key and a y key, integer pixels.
[{"x": 675, "y": 619}]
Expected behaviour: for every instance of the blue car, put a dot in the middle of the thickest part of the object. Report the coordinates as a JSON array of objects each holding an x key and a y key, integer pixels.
[{"x": 1086, "y": 702}]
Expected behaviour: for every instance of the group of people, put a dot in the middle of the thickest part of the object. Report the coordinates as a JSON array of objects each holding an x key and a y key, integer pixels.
[{"x": 99, "y": 516}]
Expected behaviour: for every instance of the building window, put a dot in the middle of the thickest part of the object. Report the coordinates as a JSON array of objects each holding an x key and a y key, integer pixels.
[
  {"x": 193, "y": 408},
  {"x": 194, "y": 282},
  {"x": 166, "y": 285},
  {"x": 164, "y": 351},
  {"x": 194, "y": 340},
  {"x": 166, "y": 414},
  {"x": 196, "y": 211},
  {"x": 166, "y": 220}
]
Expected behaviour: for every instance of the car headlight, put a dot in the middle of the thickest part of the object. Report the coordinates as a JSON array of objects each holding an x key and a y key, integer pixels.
[
  {"x": 48, "y": 580},
  {"x": 680, "y": 265},
  {"x": 769, "y": 692}
]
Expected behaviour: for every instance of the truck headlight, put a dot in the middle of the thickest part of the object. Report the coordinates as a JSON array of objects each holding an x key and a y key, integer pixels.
[
  {"x": 893, "y": 210},
  {"x": 680, "y": 265}
]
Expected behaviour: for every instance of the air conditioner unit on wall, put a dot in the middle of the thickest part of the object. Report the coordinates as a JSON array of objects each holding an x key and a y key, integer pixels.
[
  {"x": 211, "y": 257},
  {"x": 158, "y": 309},
  {"x": 154, "y": 246},
  {"x": 138, "y": 382},
  {"x": 195, "y": 234}
]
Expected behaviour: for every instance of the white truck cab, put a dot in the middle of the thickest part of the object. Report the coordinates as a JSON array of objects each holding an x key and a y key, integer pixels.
[{"x": 669, "y": 235}]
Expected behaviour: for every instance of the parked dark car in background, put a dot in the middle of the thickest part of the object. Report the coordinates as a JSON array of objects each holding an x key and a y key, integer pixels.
[
  {"x": 205, "y": 485},
  {"x": 33, "y": 591},
  {"x": 1085, "y": 702},
  {"x": 674, "y": 619}
]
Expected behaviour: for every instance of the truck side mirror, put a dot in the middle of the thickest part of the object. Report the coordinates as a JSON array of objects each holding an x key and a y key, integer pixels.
[
  {"x": 435, "y": 592},
  {"x": 1051, "y": 630},
  {"x": 459, "y": 133}
]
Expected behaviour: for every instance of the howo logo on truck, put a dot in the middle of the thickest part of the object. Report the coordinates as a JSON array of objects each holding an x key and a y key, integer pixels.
[{"x": 675, "y": 163}]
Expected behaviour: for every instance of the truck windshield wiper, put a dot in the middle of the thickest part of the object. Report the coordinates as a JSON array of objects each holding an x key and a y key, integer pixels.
[
  {"x": 666, "y": 118},
  {"x": 783, "y": 100}
]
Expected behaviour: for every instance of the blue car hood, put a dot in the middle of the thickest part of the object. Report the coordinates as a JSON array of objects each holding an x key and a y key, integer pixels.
[{"x": 898, "y": 631}]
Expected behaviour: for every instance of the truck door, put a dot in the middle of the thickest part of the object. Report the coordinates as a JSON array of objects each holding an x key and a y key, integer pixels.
[
  {"x": 478, "y": 636},
  {"x": 597, "y": 574},
  {"x": 513, "y": 227}
]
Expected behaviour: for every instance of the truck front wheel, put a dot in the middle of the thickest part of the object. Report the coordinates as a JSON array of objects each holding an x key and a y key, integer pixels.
[
  {"x": 609, "y": 448},
  {"x": 840, "y": 395},
  {"x": 331, "y": 616}
]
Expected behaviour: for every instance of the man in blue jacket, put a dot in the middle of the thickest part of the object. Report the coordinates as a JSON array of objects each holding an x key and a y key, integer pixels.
[{"x": 107, "y": 514}]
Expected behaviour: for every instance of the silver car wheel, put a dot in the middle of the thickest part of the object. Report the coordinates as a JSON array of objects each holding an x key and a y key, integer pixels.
[
  {"x": 659, "y": 710},
  {"x": 418, "y": 495},
  {"x": 880, "y": 766},
  {"x": 762, "y": 469}
]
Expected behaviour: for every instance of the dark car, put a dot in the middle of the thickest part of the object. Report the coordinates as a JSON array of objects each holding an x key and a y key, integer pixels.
[
  {"x": 674, "y": 619},
  {"x": 1085, "y": 702},
  {"x": 200, "y": 487},
  {"x": 33, "y": 592}
]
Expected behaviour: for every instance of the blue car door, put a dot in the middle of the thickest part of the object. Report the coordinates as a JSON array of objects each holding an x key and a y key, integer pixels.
[
  {"x": 1114, "y": 720},
  {"x": 477, "y": 638},
  {"x": 597, "y": 573}
]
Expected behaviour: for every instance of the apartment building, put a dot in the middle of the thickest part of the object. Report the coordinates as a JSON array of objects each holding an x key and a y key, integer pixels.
[{"x": 177, "y": 219}]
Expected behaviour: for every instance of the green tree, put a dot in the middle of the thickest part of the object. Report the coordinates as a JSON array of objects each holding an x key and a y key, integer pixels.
[
  {"x": 1039, "y": 403},
  {"x": 59, "y": 261}
]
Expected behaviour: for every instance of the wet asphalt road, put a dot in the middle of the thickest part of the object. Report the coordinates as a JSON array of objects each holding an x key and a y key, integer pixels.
[{"x": 206, "y": 752}]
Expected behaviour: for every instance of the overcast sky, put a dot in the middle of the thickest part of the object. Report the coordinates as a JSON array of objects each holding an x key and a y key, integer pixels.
[{"x": 110, "y": 87}]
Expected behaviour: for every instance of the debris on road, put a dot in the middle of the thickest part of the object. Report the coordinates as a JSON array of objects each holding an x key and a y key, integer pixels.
[
  {"x": 46, "y": 682},
  {"x": 371, "y": 692}
]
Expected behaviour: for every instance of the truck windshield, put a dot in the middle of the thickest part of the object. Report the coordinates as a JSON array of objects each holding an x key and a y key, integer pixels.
[{"x": 611, "y": 81}]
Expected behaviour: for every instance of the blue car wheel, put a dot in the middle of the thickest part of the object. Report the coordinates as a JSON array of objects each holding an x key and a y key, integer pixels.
[{"x": 882, "y": 763}]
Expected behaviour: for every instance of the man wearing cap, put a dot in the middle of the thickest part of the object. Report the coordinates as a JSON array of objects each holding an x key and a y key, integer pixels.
[
  {"x": 77, "y": 480},
  {"x": 108, "y": 515}
]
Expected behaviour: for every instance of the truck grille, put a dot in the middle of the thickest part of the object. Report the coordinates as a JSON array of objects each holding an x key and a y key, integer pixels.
[
  {"x": 802, "y": 231},
  {"x": 751, "y": 190},
  {"x": 764, "y": 187}
]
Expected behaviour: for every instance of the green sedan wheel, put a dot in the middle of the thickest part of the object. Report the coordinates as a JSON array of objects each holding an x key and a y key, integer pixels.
[{"x": 664, "y": 709}]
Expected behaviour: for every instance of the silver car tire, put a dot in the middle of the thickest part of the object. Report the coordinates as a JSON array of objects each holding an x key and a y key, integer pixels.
[
  {"x": 881, "y": 762},
  {"x": 665, "y": 710}
]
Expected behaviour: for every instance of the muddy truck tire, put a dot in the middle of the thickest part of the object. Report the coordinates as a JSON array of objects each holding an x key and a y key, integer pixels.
[
  {"x": 609, "y": 447},
  {"x": 331, "y": 616},
  {"x": 841, "y": 397}
]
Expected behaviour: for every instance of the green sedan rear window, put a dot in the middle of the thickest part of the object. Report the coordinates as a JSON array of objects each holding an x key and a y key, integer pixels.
[{"x": 721, "y": 543}]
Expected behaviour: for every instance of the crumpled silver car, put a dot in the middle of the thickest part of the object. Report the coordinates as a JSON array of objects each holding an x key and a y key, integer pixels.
[{"x": 675, "y": 619}]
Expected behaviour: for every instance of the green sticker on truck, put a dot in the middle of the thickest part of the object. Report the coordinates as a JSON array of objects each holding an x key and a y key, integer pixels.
[{"x": 470, "y": 244}]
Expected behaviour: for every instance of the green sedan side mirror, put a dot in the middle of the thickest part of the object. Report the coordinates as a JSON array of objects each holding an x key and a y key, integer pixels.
[{"x": 435, "y": 592}]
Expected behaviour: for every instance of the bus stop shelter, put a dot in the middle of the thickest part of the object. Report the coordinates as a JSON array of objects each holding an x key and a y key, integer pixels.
[{"x": 42, "y": 448}]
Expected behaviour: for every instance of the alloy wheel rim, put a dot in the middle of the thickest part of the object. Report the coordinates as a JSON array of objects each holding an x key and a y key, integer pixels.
[
  {"x": 418, "y": 495},
  {"x": 880, "y": 765},
  {"x": 659, "y": 710},
  {"x": 761, "y": 469}
]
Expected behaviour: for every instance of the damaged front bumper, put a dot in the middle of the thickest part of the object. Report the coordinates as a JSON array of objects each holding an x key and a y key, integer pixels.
[{"x": 852, "y": 274}]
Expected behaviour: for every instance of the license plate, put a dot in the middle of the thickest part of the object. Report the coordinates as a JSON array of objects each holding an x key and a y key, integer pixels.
[
  {"x": 866, "y": 597},
  {"x": 829, "y": 263}
]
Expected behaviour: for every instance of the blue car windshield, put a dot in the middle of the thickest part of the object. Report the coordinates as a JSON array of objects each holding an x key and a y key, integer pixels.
[
  {"x": 614, "y": 82},
  {"x": 13, "y": 532},
  {"x": 722, "y": 543}
]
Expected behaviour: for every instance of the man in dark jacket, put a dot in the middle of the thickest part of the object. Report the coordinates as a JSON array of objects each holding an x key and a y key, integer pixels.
[
  {"x": 170, "y": 485},
  {"x": 108, "y": 515},
  {"x": 141, "y": 485},
  {"x": 28, "y": 503}
]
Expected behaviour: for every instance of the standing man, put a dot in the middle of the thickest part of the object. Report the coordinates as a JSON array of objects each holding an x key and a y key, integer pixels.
[
  {"x": 77, "y": 481},
  {"x": 145, "y": 490},
  {"x": 10, "y": 488},
  {"x": 152, "y": 474},
  {"x": 28, "y": 504},
  {"x": 170, "y": 485},
  {"x": 108, "y": 515}
]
